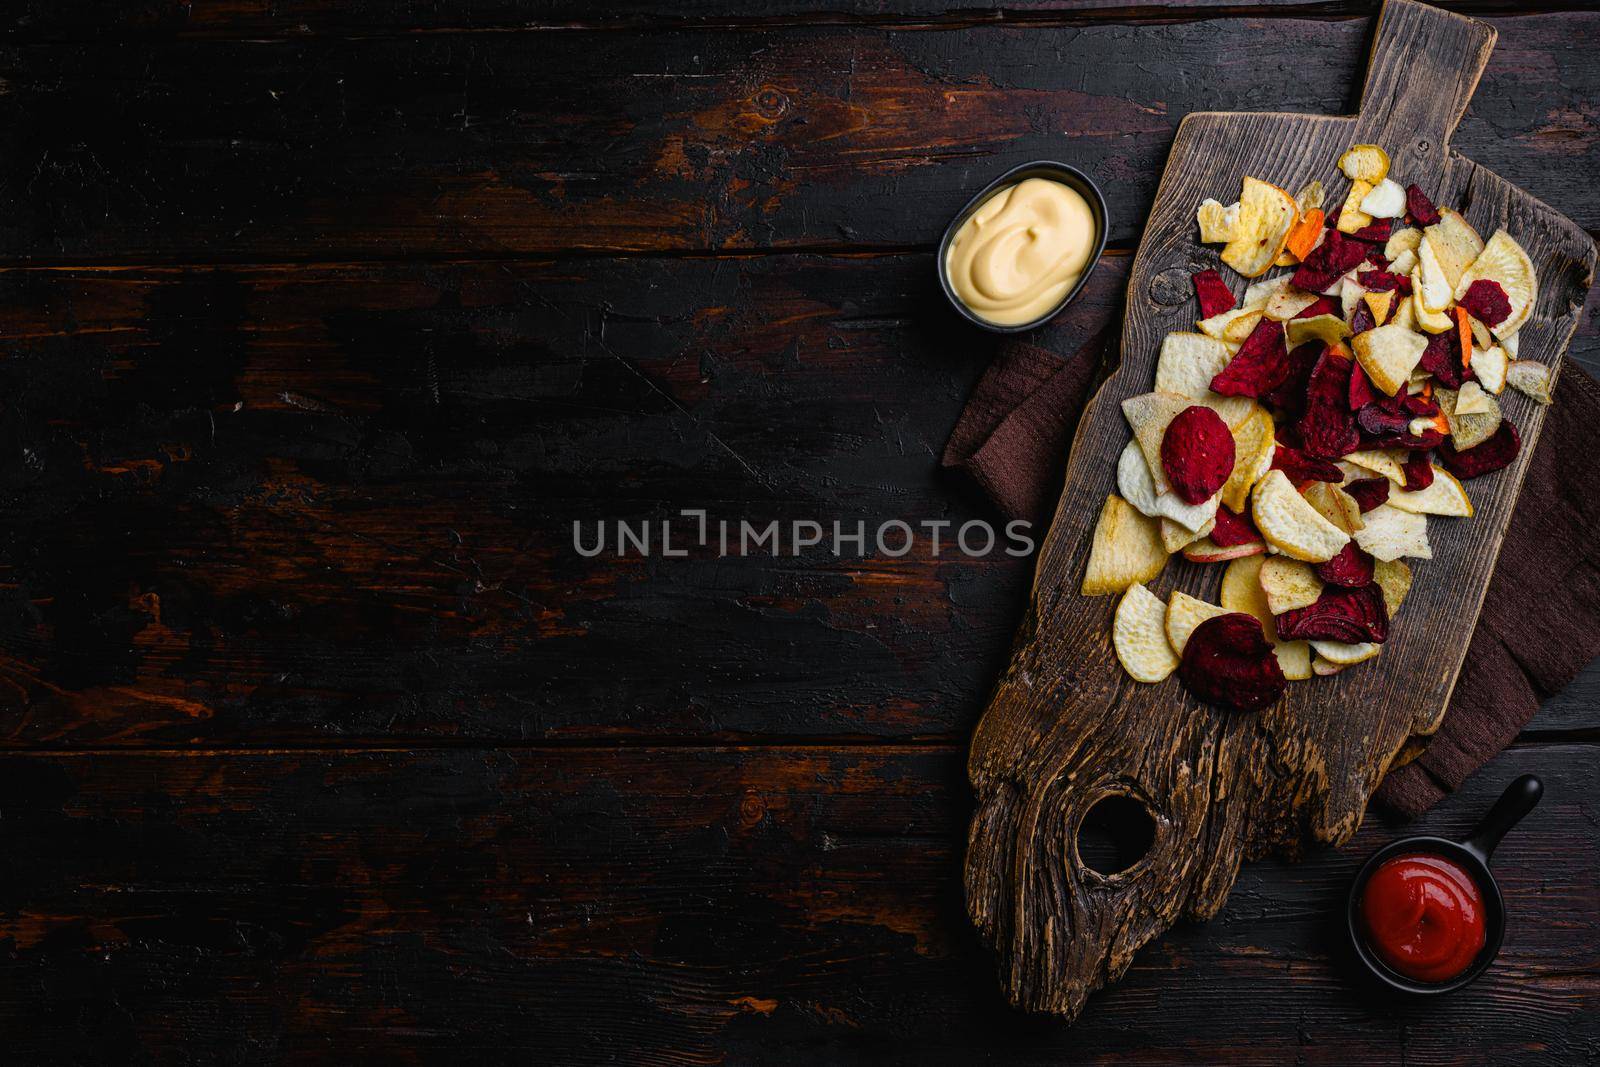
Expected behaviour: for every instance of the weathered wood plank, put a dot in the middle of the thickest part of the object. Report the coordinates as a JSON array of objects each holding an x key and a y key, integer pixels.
[
  {"x": 681, "y": 906},
  {"x": 493, "y": 144},
  {"x": 377, "y": 543}
]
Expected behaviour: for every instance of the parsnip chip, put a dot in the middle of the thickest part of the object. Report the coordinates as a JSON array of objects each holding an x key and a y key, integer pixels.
[
  {"x": 1435, "y": 292},
  {"x": 1481, "y": 337},
  {"x": 1337, "y": 652},
  {"x": 1503, "y": 261},
  {"x": 1390, "y": 533},
  {"x": 1385, "y": 461},
  {"x": 1431, "y": 321},
  {"x": 1350, "y": 293},
  {"x": 1400, "y": 241},
  {"x": 1509, "y": 343},
  {"x": 1216, "y": 327},
  {"x": 1455, "y": 243},
  {"x": 1310, "y": 197},
  {"x": 1175, "y": 536},
  {"x": 1206, "y": 550},
  {"x": 1253, "y": 448},
  {"x": 1187, "y": 363},
  {"x": 1184, "y": 613},
  {"x": 1290, "y": 524},
  {"x": 1379, "y": 304},
  {"x": 1394, "y": 578},
  {"x": 1389, "y": 354},
  {"x": 1472, "y": 400},
  {"x": 1139, "y": 635},
  {"x": 1266, "y": 214},
  {"x": 1238, "y": 329},
  {"x": 1444, "y": 496},
  {"x": 1148, "y": 414},
  {"x": 1288, "y": 302},
  {"x": 1241, "y": 591},
  {"x": 1468, "y": 428},
  {"x": 1351, "y": 217},
  {"x": 1530, "y": 377},
  {"x": 1217, "y": 222},
  {"x": 1405, "y": 262},
  {"x": 1365, "y": 163},
  {"x": 1335, "y": 505},
  {"x": 1137, "y": 488},
  {"x": 1405, "y": 316},
  {"x": 1324, "y": 668},
  {"x": 1329, "y": 328},
  {"x": 1387, "y": 200},
  {"x": 1288, "y": 584},
  {"x": 1127, "y": 549},
  {"x": 1491, "y": 365}
]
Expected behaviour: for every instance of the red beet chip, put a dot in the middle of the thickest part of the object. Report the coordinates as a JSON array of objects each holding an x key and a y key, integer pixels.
[
  {"x": 1327, "y": 429},
  {"x": 1350, "y": 569},
  {"x": 1419, "y": 406},
  {"x": 1415, "y": 442},
  {"x": 1486, "y": 301},
  {"x": 1233, "y": 529},
  {"x": 1348, "y": 615},
  {"x": 1418, "y": 472},
  {"x": 1368, "y": 493},
  {"x": 1230, "y": 663},
  {"x": 1214, "y": 295},
  {"x": 1197, "y": 454},
  {"x": 1260, "y": 365},
  {"x": 1442, "y": 359},
  {"x": 1290, "y": 397},
  {"x": 1419, "y": 207},
  {"x": 1300, "y": 468},
  {"x": 1381, "y": 281},
  {"x": 1323, "y": 305},
  {"x": 1376, "y": 420},
  {"x": 1377, "y": 231},
  {"x": 1486, "y": 458},
  {"x": 1361, "y": 319},
  {"x": 1361, "y": 391},
  {"x": 1335, "y": 256}
]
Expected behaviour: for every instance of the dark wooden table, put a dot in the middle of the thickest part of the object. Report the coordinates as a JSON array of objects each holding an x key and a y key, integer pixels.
[{"x": 325, "y": 320}]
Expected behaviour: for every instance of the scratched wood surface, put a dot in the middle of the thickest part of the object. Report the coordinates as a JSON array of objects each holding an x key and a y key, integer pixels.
[{"x": 322, "y": 744}]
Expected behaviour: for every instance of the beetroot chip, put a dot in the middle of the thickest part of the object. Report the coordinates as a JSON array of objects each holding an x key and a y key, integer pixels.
[
  {"x": 1442, "y": 359},
  {"x": 1323, "y": 305},
  {"x": 1350, "y": 569},
  {"x": 1486, "y": 301},
  {"x": 1368, "y": 493},
  {"x": 1233, "y": 529},
  {"x": 1418, "y": 472},
  {"x": 1377, "y": 231},
  {"x": 1361, "y": 319},
  {"x": 1214, "y": 295},
  {"x": 1382, "y": 281},
  {"x": 1300, "y": 468},
  {"x": 1327, "y": 429},
  {"x": 1486, "y": 458},
  {"x": 1348, "y": 615},
  {"x": 1361, "y": 391},
  {"x": 1378, "y": 420},
  {"x": 1291, "y": 395},
  {"x": 1260, "y": 365},
  {"x": 1419, "y": 207},
  {"x": 1197, "y": 454},
  {"x": 1335, "y": 256},
  {"x": 1419, "y": 406},
  {"x": 1230, "y": 663}
]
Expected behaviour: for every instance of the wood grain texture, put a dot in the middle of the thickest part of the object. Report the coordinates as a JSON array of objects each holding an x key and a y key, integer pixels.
[
  {"x": 682, "y": 906},
  {"x": 848, "y": 138},
  {"x": 1067, "y": 728}
]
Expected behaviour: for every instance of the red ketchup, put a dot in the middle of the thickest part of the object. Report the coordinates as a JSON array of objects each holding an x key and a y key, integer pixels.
[{"x": 1423, "y": 916}]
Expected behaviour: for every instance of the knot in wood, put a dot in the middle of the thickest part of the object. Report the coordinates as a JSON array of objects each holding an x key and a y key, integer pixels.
[{"x": 1170, "y": 287}]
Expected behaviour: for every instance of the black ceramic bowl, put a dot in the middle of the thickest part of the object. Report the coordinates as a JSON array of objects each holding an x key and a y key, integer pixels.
[
  {"x": 1069, "y": 176},
  {"x": 1472, "y": 855}
]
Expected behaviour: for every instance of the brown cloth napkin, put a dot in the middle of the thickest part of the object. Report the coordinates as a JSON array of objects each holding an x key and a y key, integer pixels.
[{"x": 1540, "y": 624}]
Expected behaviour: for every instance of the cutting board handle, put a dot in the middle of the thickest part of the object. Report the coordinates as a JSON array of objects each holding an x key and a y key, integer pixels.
[{"x": 1425, "y": 65}]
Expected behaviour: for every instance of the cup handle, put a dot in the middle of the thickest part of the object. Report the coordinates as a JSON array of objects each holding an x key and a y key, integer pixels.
[{"x": 1518, "y": 799}]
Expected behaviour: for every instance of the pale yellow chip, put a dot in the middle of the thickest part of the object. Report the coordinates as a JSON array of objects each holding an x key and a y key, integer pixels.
[
  {"x": 1329, "y": 328},
  {"x": 1175, "y": 536},
  {"x": 1217, "y": 325},
  {"x": 1323, "y": 668},
  {"x": 1481, "y": 337},
  {"x": 1504, "y": 261},
  {"x": 1455, "y": 243},
  {"x": 1148, "y": 414},
  {"x": 1351, "y": 217},
  {"x": 1379, "y": 304},
  {"x": 1405, "y": 316},
  {"x": 1217, "y": 222},
  {"x": 1390, "y": 533},
  {"x": 1365, "y": 163},
  {"x": 1491, "y": 366},
  {"x": 1531, "y": 378},
  {"x": 1337, "y": 652},
  {"x": 1187, "y": 363},
  {"x": 1335, "y": 505},
  {"x": 1184, "y": 613},
  {"x": 1137, "y": 488},
  {"x": 1254, "y": 445},
  {"x": 1394, "y": 578},
  {"x": 1288, "y": 302},
  {"x": 1389, "y": 354},
  {"x": 1434, "y": 292},
  {"x": 1288, "y": 584},
  {"x": 1404, "y": 263},
  {"x": 1237, "y": 330},
  {"x": 1310, "y": 197},
  {"x": 1241, "y": 591},
  {"x": 1139, "y": 635},
  {"x": 1472, "y": 400},
  {"x": 1266, "y": 215},
  {"x": 1127, "y": 548},
  {"x": 1384, "y": 461},
  {"x": 1387, "y": 200},
  {"x": 1400, "y": 242},
  {"x": 1468, "y": 429},
  {"x": 1431, "y": 321},
  {"x": 1445, "y": 496},
  {"x": 1206, "y": 550},
  {"x": 1290, "y": 524}
]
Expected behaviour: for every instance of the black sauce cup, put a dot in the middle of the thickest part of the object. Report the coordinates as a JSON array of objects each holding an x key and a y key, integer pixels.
[
  {"x": 1472, "y": 855},
  {"x": 1072, "y": 178}
]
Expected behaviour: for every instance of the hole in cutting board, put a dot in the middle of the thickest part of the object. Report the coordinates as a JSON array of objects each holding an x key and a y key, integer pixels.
[{"x": 1115, "y": 834}]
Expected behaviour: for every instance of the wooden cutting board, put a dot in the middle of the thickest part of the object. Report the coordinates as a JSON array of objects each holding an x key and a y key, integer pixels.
[{"x": 1066, "y": 728}]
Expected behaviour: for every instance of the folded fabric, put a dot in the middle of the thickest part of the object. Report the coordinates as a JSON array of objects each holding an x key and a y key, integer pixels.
[{"x": 1540, "y": 623}]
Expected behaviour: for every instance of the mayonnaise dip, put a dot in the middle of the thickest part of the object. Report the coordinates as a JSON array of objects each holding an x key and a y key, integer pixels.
[{"x": 1019, "y": 254}]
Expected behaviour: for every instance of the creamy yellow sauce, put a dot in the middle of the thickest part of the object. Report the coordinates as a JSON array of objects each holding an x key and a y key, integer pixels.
[{"x": 1015, "y": 258}]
